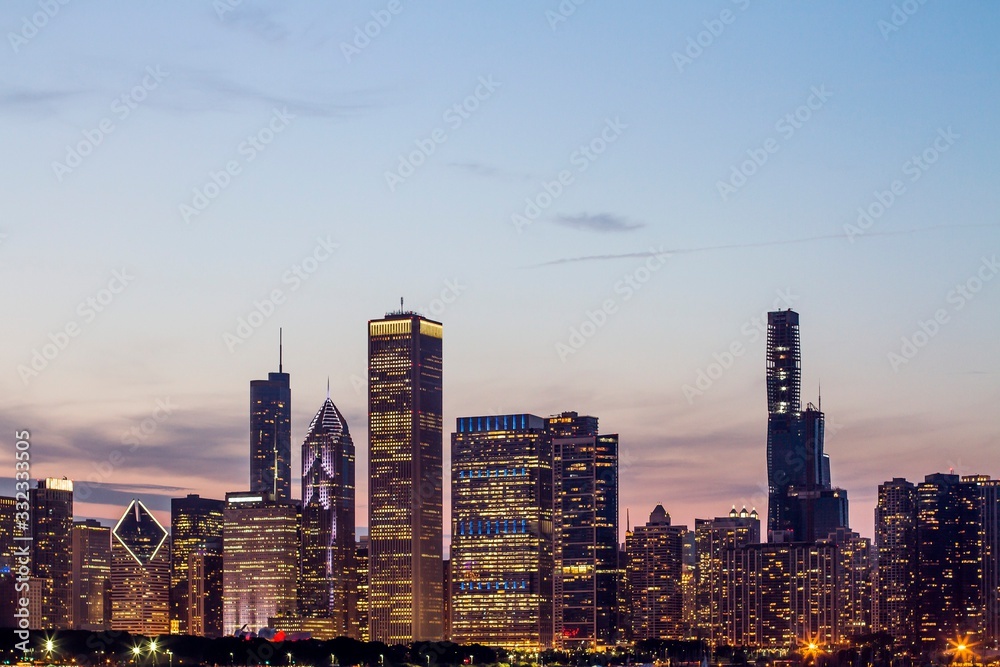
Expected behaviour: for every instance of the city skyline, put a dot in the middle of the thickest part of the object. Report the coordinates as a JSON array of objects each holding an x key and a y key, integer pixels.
[{"x": 602, "y": 214}]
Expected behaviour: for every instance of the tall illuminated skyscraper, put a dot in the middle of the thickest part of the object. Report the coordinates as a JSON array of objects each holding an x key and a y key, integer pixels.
[
  {"x": 52, "y": 548},
  {"x": 329, "y": 588},
  {"x": 714, "y": 538},
  {"x": 271, "y": 435},
  {"x": 195, "y": 527},
  {"x": 140, "y": 573},
  {"x": 585, "y": 514},
  {"x": 91, "y": 576},
  {"x": 501, "y": 544},
  {"x": 655, "y": 570},
  {"x": 405, "y": 478},
  {"x": 260, "y": 560},
  {"x": 896, "y": 574}
]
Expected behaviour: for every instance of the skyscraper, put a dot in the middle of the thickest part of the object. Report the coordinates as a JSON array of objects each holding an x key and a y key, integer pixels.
[
  {"x": 52, "y": 548},
  {"x": 405, "y": 478},
  {"x": 361, "y": 570},
  {"x": 714, "y": 538},
  {"x": 501, "y": 545},
  {"x": 260, "y": 560},
  {"x": 195, "y": 527},
  {"x": 950, "y": 592},
  {"x": 91, "y": 576},
  {"x": 801, "y": 500},
  {"x": 329, "y": 588},
  {"x": 896, "y": 574},
  {"x": 204, "y": 588},
  {"x": 585, "y": 514},
  {"x": 655, "y": 570},
  {"x": 140, "y": 573},
  {"x": 271, "y": 435}
]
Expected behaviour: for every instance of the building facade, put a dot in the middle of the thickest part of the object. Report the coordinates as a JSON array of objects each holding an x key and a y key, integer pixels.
[
  {"x": 140, "y": 573},
  {"x": 329, "y": 586},
  {"x": 655, "y": 571},
  {"x": 52, "y": 549},
  {"x": 261, "y": 544},
  {"x": 91, "y": 579},
  {"x": 502, "y": 532},
  {"x": 585, "y": 514},
  {"x": 405, "y": 596},
  {"x": 896, "y": 572},
  {"x": 271, "y": 435},
  {"x": 195, "y": 527}
]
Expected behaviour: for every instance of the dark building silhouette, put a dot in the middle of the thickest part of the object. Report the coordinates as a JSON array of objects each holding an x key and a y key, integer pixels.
[
  {"x": 405, "y": 596},
  {"x": 802, "y": 504},
  {"x": 585, "y": 483},
  {"x": 271, "y": 435},
  {"x": 896, "y": 575},
  {"x": 195, "y": 527},
  {"x": 329, "y": 587}
]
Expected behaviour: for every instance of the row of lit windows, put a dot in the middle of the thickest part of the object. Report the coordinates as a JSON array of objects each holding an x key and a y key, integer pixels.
[
  {"x": 492, "y": 527},
  {"x": 493, "y": 585},
  {"x": 494, "y": 472}
]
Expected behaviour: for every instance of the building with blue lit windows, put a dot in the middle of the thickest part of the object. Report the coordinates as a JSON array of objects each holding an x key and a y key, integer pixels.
[{"x": 501, "y": 546}]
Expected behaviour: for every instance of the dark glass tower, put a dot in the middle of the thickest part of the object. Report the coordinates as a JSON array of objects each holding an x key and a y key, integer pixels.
[
  {"x": 195, "y": 528},
  {"x": 405, "y": 479},
  {"x": 585, "y": 483},
  {"x": 329, "y": 587},
  {"x": 802, "y": 504},
  {"x": 271, "y": 435}
]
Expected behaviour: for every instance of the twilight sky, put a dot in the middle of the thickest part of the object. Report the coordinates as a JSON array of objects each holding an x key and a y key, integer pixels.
[{"x": 600, "y": 202}]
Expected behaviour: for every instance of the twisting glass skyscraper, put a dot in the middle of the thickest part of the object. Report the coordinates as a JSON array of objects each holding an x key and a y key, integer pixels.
[
  {"x": 405, "y": 479},
  {"x": 271, "y": 435},
  {"x": 328, "y": 581}
]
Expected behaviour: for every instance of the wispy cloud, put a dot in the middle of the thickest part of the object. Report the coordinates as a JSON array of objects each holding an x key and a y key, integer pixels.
[
  {"x": 731, "y": 246},
  {"x": 258, "y": 22},
  {"x": 600, "y": 222},
  {"x": 489, "y": 171}
]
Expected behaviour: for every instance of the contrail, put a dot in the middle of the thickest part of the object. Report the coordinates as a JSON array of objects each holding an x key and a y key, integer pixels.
[{"x": 762, "y": 244}]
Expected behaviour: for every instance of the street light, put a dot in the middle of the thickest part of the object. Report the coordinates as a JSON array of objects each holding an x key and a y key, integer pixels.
[
  {"x": 170, "y": 655},
  {"x": 135, "y": 653}
]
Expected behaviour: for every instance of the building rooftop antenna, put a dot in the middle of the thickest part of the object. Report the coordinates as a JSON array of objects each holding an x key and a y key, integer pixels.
[{"x": 279, "y": 349}]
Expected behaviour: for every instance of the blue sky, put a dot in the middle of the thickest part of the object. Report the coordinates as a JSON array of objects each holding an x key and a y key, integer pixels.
[{"x": 819, "y": 110}]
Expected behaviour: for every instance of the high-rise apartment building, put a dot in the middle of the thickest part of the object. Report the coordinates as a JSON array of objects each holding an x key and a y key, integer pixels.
[
  {"x": 896, "y": 572},
  {"x": 714, "y": 539},
  {"x": 502, "y": 531},
  {"x": 405, "y": 597},
  {"x": 271, "y": 435},
  {"x": 52, "y": 549},
  {"x": 91, "y": 578},
  {"x": 655, "y": 573},
  {"x": 195, "y": 527},
  {"x": 261, "y": 540},
  {"x": 585, "y": 514},
  {"x": 140, "y": 573},
  {"x": 329, "y": 586},
  {"x": 361, "y": 570},
  {"x": 204, "y": 589}
]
